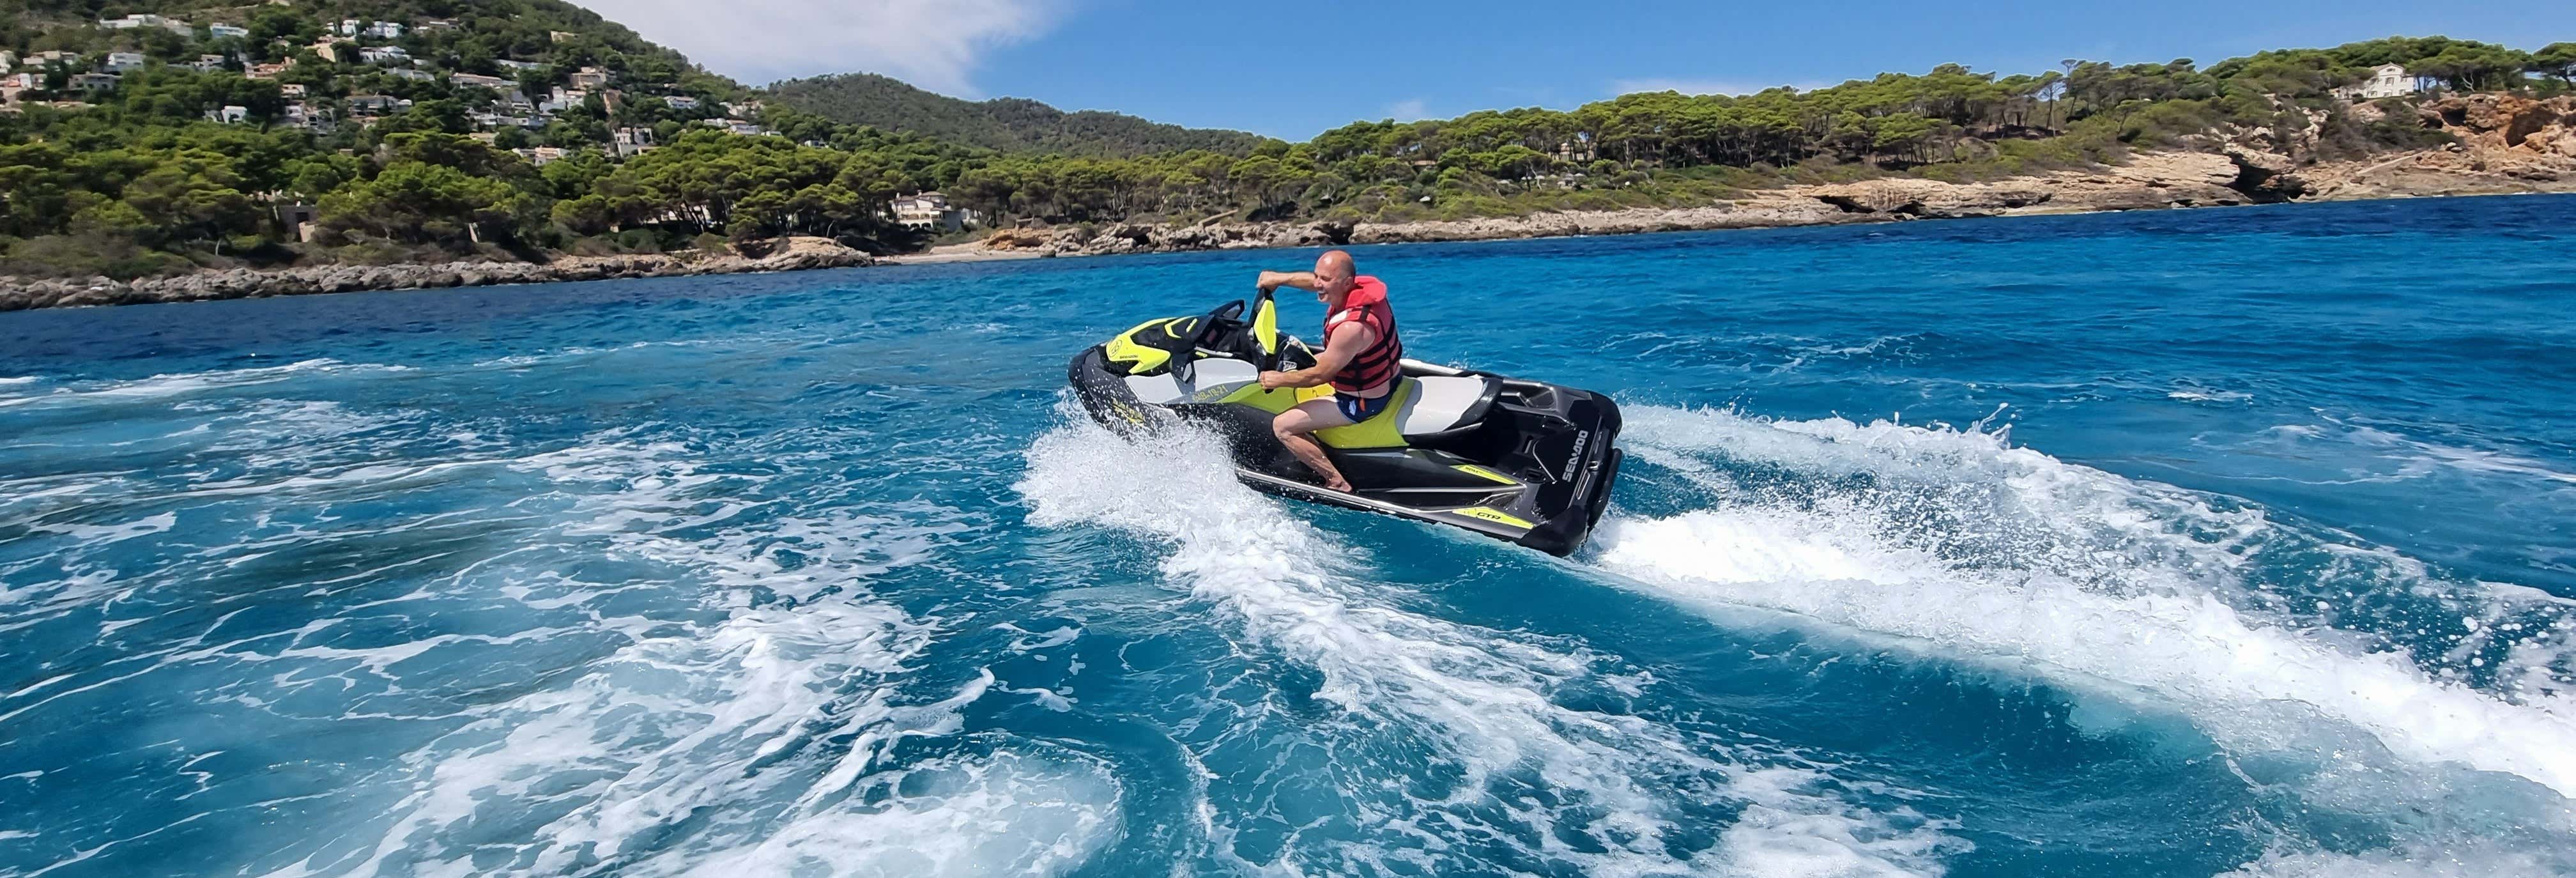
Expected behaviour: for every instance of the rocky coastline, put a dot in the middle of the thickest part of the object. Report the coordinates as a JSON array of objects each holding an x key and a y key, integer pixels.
[
  {"x": 2504, "y": 144},
  {"x": 795, "y": 254}
]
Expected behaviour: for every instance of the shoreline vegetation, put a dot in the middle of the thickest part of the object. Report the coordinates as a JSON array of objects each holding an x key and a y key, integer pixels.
[
  {"x": 2157, "y": 181},
  {"x": 194, "y": 150}
]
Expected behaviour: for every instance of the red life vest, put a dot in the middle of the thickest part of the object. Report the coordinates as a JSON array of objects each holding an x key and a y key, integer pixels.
[{"x": 1375, "y": 366}]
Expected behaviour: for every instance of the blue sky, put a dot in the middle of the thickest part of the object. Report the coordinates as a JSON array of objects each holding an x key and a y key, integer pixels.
[{"x": 1293, "y": 69}]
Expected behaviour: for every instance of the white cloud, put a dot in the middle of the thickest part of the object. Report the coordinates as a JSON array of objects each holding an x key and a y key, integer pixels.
[
  {"x": 934, "y": 44},
  {"x": 1407, "y": 110},
  {"x": 1696, "y": 86}
]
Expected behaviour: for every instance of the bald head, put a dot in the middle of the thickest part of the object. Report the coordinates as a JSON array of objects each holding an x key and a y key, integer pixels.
[
  {"x": 1333, "y": 274},
  {"x": 1335, "y": 263}
]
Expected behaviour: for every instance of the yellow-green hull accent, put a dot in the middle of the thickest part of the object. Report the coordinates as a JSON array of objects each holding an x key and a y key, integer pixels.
[
  {"x": 1491, "y": 514},
  {"x": 1384, "y": 431}
]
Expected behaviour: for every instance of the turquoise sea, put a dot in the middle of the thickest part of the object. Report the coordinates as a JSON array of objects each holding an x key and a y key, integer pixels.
[{"x": 2228, "y": 541}]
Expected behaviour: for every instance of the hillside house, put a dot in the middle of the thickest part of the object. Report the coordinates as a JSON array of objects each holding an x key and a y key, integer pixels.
[
  {"x": 680, "y": 102},
  {"x": 489, "y": 119},
  {"x": 589, "y": 78},
  {"x": 309, "y": 118},
  {"x": 93, "y": 81},
  {"x": 736, "y": 126},
  {"x": 477, "y": 80},
  {"x": 632, "y": 141},
  {"x": 291, "y": 90},
  {"x": 142, "y": 19},
  {"x": 120, "y": 62},
  {"x": 271, "y": 71},
  {"x": 383, "y": 55},
  {"x": 518, "y": 66},
  {"x": 349, "y": 27},
  {"x": 2386, "y": 81},
  {"x": 374, "y": 105},
  {"x": 385, "y": 30},
  {"x": 562, "y": 99},
  {"x": 407, "y": 74},
  {"x": 56, "y": 56},
  {"x": 930, "y": 211},
  {"x": 222, "y": 31},
  {"x": 229, "y": 114},
  {"x": 743, "y": 110},
  {"x": 541, "y": 156}
]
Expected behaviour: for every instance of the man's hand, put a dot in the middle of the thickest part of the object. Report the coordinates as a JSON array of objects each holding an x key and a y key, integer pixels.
[{"x": 1274, "y": 380}]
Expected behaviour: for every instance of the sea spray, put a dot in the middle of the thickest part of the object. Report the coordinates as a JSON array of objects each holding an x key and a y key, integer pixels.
[
  {"x": 2133, "y": 592},
  {"x": 1622, "y": 786}
]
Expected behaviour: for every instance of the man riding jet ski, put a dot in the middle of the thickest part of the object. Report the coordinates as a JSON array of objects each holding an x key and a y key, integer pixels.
[
  {"x": 1359, "y": 359},
  {"x": 1518, "y": 460}
]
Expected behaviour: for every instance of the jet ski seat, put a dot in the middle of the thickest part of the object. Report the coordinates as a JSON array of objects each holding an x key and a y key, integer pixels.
[
  {"x": 1446, "y": 406},
  {"x": 1428, "y": 408}
]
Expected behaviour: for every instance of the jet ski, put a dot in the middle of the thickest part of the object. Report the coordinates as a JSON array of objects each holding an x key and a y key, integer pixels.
[{"x": 1517, "y": 460}]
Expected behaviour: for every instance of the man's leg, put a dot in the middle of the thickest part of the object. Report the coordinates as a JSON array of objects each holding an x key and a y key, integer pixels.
[{"x": 1295, "y": 429}]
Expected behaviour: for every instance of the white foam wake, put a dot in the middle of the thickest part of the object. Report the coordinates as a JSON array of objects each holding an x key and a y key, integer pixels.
[
  {"x": 2003, "y": 553},
  {"x": 1480, "y": 700},
  {"x": 184, "y": 383},
  {"x": 757, "y": 741}
]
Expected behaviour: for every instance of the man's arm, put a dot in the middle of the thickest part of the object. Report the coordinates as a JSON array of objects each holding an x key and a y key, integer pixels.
[
  {"x": 1345, "y": 343},
  {"x": 1304, "y": 280}
]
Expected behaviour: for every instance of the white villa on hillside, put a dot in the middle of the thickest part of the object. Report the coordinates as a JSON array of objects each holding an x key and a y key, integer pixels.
[
  {"x": 2386, "y": 81},
  {"x": 930, "y": 210},
  {"x": 142, "y": 19}
]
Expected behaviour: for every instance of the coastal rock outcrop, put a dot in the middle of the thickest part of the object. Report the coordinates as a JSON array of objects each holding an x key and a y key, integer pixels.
[
  {"x": 1931, "y": 198},
  {"x": 794, "y": 255},
  {"x": 2503, "y": 143},
  {"x": 2234, "y": 175}
]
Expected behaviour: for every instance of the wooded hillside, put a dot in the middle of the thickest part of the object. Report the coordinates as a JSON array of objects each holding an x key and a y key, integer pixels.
[{"x": 1016, "y": 125}]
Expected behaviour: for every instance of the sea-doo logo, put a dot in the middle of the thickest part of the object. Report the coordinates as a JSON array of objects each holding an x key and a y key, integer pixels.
[{"x": 1581, "y": 439}]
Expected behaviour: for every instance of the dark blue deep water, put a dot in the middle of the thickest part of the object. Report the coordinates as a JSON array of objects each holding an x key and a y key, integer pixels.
[{"x": 2169, "y": 544}]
